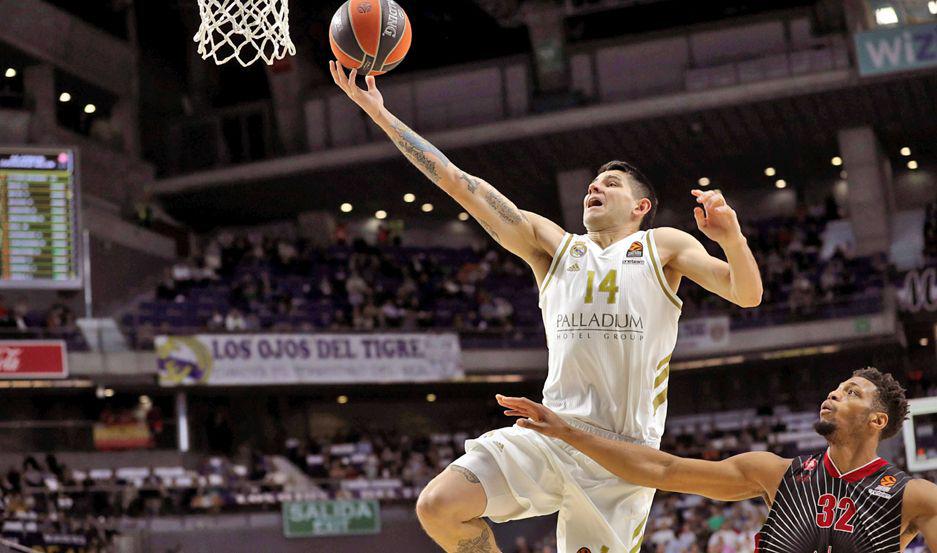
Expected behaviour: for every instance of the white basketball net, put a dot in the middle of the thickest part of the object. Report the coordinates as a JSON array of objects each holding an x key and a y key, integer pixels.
[{"x": 245, "y": 30}]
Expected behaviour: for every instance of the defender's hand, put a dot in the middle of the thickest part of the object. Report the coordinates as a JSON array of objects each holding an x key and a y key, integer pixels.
[
  {"x": 534, "y": 416},
  {"x": 718, "y": 222},
  {"x": 370, "y": 99}
]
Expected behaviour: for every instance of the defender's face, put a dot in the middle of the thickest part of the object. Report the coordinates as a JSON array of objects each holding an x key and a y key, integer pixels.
[
  {"x": 609, "y": 200},
  {"x": 849, "y": 406}
]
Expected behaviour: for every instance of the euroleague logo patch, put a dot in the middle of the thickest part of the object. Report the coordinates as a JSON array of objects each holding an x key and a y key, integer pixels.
[
  {"x": 888, "y": 481},
  {"x": 636, "y": 250}
]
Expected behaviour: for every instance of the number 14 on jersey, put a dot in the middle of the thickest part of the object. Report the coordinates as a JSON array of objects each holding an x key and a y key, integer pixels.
[{"x": 608, "y": 284}]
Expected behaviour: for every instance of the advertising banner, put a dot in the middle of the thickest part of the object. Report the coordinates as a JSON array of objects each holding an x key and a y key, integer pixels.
[
  {"x": 917, "y": 294},
  {"x": 110, "y": 436},
  {"x": 260, "y": 359},
  {"x": 33, "y": 359},
  {"x": 331, "y": 518},
  {"x": 886, "y": 51},
  {"x": 703, "y": 334}
]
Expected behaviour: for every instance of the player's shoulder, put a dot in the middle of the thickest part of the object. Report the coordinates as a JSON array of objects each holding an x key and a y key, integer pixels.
[
  {"x": 920, "y": 496},
  {"x": 672, "y": 241},
  {"x": 670, "y": 236}
]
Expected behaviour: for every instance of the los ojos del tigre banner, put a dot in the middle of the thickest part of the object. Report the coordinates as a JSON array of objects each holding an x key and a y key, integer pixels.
[{"x": 234, "y": 359}]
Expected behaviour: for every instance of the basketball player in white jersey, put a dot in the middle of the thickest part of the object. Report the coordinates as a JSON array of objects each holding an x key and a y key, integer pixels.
[{"x": 610, "y": 310}]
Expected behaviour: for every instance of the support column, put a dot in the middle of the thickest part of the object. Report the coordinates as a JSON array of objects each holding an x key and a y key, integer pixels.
[
  {"x": 571, "y": 188},
  {"x": 287, "y": 77},
  {"x": 871, "y": 195},
  {"x": 544, "y": 20},
  {"x": 39, "y": 85},
  {"x": 182, "y": 421}
]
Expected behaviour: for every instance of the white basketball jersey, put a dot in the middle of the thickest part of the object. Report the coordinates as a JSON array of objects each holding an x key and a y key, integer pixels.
[{"x": 611, "y": 325}]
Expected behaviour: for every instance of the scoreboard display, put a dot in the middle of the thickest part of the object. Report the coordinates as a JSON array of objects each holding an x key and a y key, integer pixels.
[{"x": 39, "y": 209}]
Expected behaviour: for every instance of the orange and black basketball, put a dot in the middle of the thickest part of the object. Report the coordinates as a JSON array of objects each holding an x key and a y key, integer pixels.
[{"x": 372, "y": 36}]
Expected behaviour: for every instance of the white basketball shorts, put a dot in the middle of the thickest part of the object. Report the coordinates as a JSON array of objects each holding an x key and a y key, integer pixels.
[{"x": 526, "y": 474}]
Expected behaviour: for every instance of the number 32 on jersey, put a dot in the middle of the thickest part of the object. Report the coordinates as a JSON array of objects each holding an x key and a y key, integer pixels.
[{"x": 829, "y": 505}]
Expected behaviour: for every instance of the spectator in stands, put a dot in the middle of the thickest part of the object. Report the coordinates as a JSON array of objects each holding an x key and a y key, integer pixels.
[
  {"x": 234, "y": 321},
  {"x": 802, "y": 296}
]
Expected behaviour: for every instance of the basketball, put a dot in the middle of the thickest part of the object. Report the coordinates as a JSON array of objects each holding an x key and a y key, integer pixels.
[{"x": 372, "y": 36}]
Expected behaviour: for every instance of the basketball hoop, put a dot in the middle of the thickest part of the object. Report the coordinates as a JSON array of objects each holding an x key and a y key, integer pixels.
[{"x": 245, "y": 30}]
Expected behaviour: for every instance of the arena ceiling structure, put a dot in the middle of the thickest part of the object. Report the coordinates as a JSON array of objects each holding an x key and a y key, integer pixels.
[
  {"x": 728, "y": 138},
  {"x": 731, "y": 144}
]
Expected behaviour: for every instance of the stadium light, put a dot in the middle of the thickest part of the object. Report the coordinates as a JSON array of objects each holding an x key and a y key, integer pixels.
[
  {"x": 342, "y": 400},
  {"x": 431, "y": 397},
  {"x": 837, "y": 161},
  {"x": 912, "y": 165},
  {"x": 463, "y": 216},
  {"x": 932, "y": 7},
  {"x": 427, "y": 208},
  {"x": 65, "y": 97},
  {"x": 906, "y": 151},
  {"x": 923, "y": 342},
  {"x": 704, "y": 182},
  {"x": 886, "y": 15},
  {"x": 770, "y": 172},
  {"x": 108, "y": 392},
  {"x": 380, "y": 214},
  {"x": 90, "y": 108},
  {"x": 780, "y": 184},
  {"x": 346, "y": 207},
  {"x": 10, "y": 73},
  {"x": 409, "y": 198}
]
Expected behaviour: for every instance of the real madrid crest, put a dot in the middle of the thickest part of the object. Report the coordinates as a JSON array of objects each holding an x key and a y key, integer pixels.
[
  {"x": 182, "y": 360},
  {"x": 578, "y": 249}
]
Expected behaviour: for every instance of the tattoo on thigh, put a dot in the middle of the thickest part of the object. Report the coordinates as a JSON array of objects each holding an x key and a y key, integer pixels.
[
  {"x": 469, "y": 475},
  {"x": 481, "y": 544}
]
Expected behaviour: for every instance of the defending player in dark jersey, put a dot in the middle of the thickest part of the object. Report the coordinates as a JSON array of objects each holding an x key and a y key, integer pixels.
[{"x": 843, "y": 500}]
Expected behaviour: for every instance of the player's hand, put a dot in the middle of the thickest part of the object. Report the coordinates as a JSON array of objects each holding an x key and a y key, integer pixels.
[
  {"x": 534, "y": 416},
  {"x": 715, "y": 218},
  {"x": 370, "y": 99}
]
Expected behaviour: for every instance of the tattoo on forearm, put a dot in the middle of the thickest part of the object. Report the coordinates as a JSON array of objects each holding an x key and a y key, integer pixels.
[
  {"x": 416, "y": 148},
  {"x": 481, "y": 544},
  {"x": 508, "y": 213},
  {"x": 470, "y": 182},
  {"x": 489, "y": 230},
  {"x": 469, "y": 475}
]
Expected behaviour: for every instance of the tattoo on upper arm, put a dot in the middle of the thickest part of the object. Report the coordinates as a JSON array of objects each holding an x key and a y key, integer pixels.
[
  {"x": 470, "y": 182},
  {"x": 508, "y": 213},
  {"x": 490, "y": 230},
  {"x": 415, "y": 147},
  {"x": 481, "y": 544},
  {"x": 469, "y": 475}
]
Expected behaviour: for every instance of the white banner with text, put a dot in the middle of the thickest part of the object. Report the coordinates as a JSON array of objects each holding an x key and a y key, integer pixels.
[{"x": 259, "y": 359}]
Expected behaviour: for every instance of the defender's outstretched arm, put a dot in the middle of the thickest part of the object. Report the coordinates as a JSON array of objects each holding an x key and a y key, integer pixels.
[
  {"x": 744, "y": 476},
  {"x": 532, "y": 237}
]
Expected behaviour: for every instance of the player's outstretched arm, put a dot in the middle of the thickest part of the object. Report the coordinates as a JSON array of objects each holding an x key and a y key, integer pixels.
[
  {"x": 532, "y": 237},
  {"x": 920, "y": 513},
  {"x": 755, "y": 474},
  {"x": 737, "y": 280}
]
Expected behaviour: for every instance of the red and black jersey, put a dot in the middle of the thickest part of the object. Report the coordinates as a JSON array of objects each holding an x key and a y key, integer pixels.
[{"x": 817, "y": 509}]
